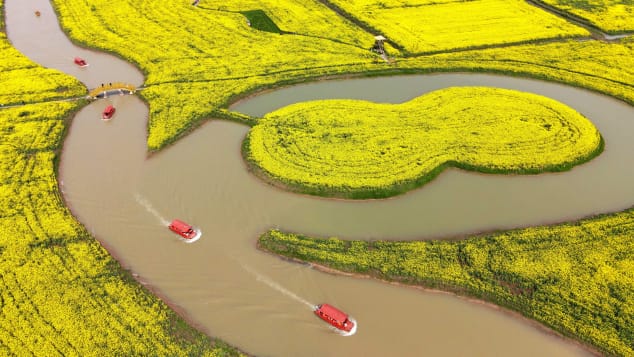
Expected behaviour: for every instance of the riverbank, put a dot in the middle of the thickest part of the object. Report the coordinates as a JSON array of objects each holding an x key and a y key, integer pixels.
[
  {"x": 454, "y": 291},
  {"x": 532, "y": 271}
]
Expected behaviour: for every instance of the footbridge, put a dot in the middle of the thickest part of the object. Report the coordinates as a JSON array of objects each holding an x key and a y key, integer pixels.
[{"x": 108, "y": 89}]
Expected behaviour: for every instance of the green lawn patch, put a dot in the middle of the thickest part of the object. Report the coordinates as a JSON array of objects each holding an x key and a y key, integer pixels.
[{"x": 260, "y": 21}]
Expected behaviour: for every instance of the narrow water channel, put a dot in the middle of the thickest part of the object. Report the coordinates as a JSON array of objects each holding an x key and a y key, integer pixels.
[
  {"x": 460, "y": 202},
  {"x": 260, "y": 303}
]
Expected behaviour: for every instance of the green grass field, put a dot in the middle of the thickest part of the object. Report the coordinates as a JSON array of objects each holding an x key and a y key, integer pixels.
[{"x": 260, "y": 21}]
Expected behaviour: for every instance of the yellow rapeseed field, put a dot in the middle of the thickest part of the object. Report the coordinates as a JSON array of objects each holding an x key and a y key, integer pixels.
[
  {"x": 348, "y": 146},
  {"x": 429, "y": 25},
  {"x": 61, "y": 294},
  {"x": 303, "y": 17},
  {"x": 600, "y": 66},
  {"x": 197, "y": 58},
  {"x": 609, "y": 15}
]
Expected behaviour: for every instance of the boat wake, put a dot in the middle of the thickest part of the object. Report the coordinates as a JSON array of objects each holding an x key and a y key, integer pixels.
[
  {"x": 264, "y": 279},
  {"x": 148, "y": 207}
]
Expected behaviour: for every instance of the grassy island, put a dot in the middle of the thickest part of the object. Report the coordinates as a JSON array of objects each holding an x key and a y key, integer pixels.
[{"x": 358, "y": 149}]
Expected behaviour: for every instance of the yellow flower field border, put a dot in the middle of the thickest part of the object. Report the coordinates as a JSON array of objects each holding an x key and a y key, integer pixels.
[
  {"x": 576, "y": 278},
  {"x": 359, "y": 149},
  {"x": 430, "y": 26},
  {"x": 61, "y": 293},
  {"x": 611, "y": 16}
]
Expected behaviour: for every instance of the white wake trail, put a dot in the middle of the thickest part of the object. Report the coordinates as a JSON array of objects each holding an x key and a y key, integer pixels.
[
  {"x": 148, "y": 207},
  {"x": 264, "y": 279}
]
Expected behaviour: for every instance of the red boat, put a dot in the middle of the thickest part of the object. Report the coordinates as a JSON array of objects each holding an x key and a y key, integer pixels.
[
  {"x": 184, "y": 230},
  {"x": 336, "y": 318},
  {"x": 80, "y": 62},
  {"x": 108, "y": 112}
]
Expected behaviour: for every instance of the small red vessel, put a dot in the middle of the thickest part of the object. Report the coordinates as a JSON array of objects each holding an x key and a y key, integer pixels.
[
  {"x": 185, "y": 230},
  {"x": 336, "y": 318},
  {"x": 108, "y": 113},
  {"x": 80, "y": 62}
]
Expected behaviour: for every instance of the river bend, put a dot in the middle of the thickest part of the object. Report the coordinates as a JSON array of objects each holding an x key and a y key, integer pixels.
[{"x": 260, "y": 303}]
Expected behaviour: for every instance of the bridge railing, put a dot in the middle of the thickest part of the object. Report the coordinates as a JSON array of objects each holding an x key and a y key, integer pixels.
[{"x": 105, "y": 88}]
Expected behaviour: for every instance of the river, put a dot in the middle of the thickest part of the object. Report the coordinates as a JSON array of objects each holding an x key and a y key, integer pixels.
[{"x": 260, "y": 303}]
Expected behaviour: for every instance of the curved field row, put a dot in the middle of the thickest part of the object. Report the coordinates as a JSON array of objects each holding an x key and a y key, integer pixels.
[
  {"x": 576, "y": 278},
  {"x": 415, "y": 24},
  {"x": 360, "y": 149},
  {"x": 60, "y": 292},
  {"x": 612, "y": 16}
]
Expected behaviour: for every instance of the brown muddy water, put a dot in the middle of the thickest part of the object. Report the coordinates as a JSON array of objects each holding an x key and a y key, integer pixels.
[{"x": 262, "y": 304}]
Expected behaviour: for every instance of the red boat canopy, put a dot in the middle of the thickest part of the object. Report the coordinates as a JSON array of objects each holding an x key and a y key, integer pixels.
[
  {"x": 108, "y": 112},
  {"x": 334, "y": 313},
  {"x": 180, "y": 226}
]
